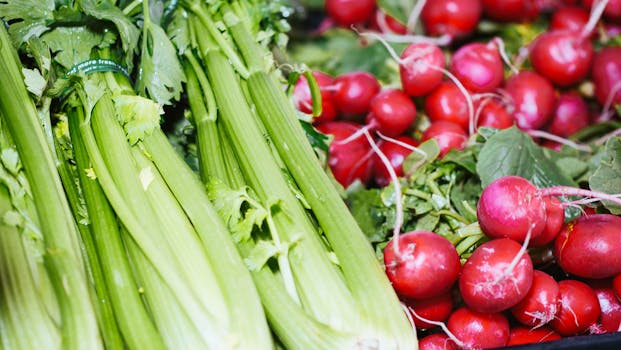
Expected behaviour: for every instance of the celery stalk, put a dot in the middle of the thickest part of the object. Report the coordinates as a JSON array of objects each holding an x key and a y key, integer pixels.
[
  {"x": 134, "y": 322},
  {"x": 247, "y": 317},
  {"x": 99, "y": 292},
  {"x": 322, "y": 291},
  {"x": 365, "y": 277},
  {"x": 78, "y": 322},
  {"x": 169, "y": 260},
  {"x": 25, "y": 322}
]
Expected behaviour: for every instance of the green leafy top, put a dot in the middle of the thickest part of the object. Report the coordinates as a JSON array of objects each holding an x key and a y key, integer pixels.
[
  {"x": 607, "y": 177},
  {"x": 160, "y": 74}
]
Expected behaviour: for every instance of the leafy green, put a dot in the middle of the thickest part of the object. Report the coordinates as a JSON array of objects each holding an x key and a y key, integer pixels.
[
  {"x": 107, "y": 11},
  {"x": 440, "y": 196},
  {"x": 138, "y": 115},
  {"x": 160, "y": 74},
  {"x": 607, "y": 177},
  {"x": 32, "y": 17},
  {"x": 72, "y": 45},
  {"x": 512, "y": 152}
]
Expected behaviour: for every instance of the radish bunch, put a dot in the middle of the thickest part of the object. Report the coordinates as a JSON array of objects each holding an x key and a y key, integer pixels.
[
  {"x": 567, "y": 79},
  {"x": 499, "y": 296}
]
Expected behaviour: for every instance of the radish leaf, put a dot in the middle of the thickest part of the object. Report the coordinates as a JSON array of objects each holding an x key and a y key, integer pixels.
[{"x": 607, "y": 177}]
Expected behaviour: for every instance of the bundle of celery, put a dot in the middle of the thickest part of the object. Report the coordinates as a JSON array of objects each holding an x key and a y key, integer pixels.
[
  {"x": 317, "y": 275},
  {"x": 162, "y": 269},
  {"x": 136, "y": 252}
]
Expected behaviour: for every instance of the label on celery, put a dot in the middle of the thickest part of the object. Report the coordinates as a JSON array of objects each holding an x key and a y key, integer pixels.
[{"x": 98, "y": 65}]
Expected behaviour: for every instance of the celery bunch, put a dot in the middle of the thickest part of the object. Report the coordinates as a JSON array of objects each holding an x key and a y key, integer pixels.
[
  {"x": 314, "y": 269},
  {"x": 161, "y": 268}
]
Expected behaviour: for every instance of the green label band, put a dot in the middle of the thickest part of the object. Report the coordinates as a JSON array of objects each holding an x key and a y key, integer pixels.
[{"x": 98, "y": 65}]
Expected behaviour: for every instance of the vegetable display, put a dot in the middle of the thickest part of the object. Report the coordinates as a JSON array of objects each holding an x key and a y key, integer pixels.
[{"x": 307, "y": 174}]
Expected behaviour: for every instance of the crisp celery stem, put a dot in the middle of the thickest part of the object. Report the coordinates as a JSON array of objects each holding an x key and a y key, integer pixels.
[
  {"x": 79, "y": 325},
  {"x": 134, "y": 322},
  {"x": 295, "y": 328},
  {"x": 121, "y": 174},
  {"x": 208, "y": 142},
  {"x": 24, "y": 320},
  {"x": 364, "y": 275},
  {"x": 100, "y": 296},
  {"x": 308, "y": 255},
  {"x": 247, "y": 316}
]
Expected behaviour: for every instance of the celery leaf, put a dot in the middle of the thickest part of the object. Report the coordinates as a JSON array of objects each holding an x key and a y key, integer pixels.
[
  {"x": 72, "y": 45},
  {"x": 129, "y": 33},
  {"x": 31, "y": 17},
  {"x": 160, "y": 74},
  {"x": 260, "y": 254},
  {"x": 138, "y": 115},
  {"x": 239, "y": 210}
]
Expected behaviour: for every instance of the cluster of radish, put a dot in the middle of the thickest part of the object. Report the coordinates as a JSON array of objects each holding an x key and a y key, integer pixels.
[
  {"x": 502, "y": 298},
  {"x": 473, "y": 89},
  {"x": 497, "y": 297}
]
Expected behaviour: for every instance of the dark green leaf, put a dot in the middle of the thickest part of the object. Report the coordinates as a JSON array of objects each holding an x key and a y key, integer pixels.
[
  {"x": 105, "y": 10},
  {"x": 316, "y": 139},
  {"x": 512, "y": 152},
  {"x": 32, "y": 17},
  {"x": 399, "y": 9},
  {"x": 607, "y": 177},
  {"x": 72, "y": 45},
  {"x": 160, "y": 74},
  {"x": 429, "y": 151},
  {"x": 370, "y": 213}
]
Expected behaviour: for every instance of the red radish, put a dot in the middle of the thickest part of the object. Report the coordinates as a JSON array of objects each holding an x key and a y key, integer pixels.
[
  {"x": 555, "y": 217},
  {"x": 435, "y": 309},
  {"x": 392, "y": 112},
  {"x": 570, "y": 18},
  {"x": 606, "y": 75},
  {"x": 533, "y": 99},
  {"x": 478, "y": 66},
  {"x": 563, "y": 57},
  {"x": 521, "y": 335},
  {"x": 589, "y": 246},
  {"x": 436, "y": 341},
  {"x": 396, "y": 154},
  {"x": 479, "y": 330},
  {"x": 417, "y": 76},
  {"x": 348, "y": 161},
  {"x": 448, "y": 135},
  {"x": 570, "y": 116},
  {"x": 350, "y": 12},
  {"x": 511, "y": 10},
  {"x": 541, "y": 303},
  {"x": 387, "y": 24},
  {"x": 456, "y": 18},
  {"x": 354, "y": 91},
  {"x": 511, "y": 207},
  {"x": 448, "y": 103},
  {"x": 610, "y": 319},
  {"x": 303, "y": 100},
  {"x": 425, "y": 265},
  {"x": 579, "y": 308},
  {"x": 497, "y": 276},
  {"x": 493, "y": 114},
  {"x": 612, "y": 11}
]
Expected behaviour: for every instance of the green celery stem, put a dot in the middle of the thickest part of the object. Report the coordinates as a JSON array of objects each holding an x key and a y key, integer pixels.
[
  {"x": 107, "y": 323},
  {"x": 233, "y": 276},
  {"x": 346, "y": 238},
  {"x": 134, "y": 321},
  {"x": 78, "y": 321}
]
